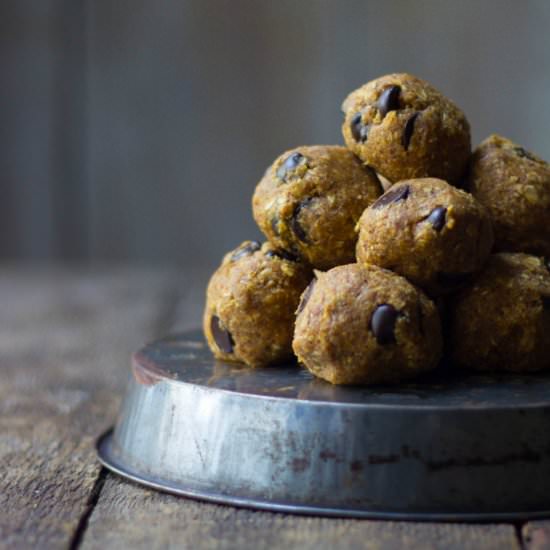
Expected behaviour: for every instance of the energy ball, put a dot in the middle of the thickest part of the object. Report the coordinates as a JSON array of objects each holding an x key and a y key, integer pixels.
[
  {"x": 250, "y": 305},
  {"x": 428, "y": 231},
  {"x": 309, "y": 201},
  {"x": 514, "y": 185},
  {"x": 502, "y": 322},
  {"x": 404, "y": 128},
  {"x": 366, "y": 325}
]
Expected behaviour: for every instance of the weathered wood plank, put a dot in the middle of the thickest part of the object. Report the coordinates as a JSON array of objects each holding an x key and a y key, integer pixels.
[
  {"x": 128, "y": 516},
  {"x": 536, "y": 535},
  {"x": 65, "y": 341}
]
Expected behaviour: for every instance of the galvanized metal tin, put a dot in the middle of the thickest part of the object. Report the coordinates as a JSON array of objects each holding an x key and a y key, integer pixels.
[{"x": 450, "y": 446}]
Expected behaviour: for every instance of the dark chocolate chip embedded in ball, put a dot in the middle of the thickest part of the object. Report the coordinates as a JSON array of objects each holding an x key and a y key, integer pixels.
[
  {"x": 545, "y": 302},
  {"x": 393, "y": 194},
  {"x": 306, "y": 295},
  {"x": 221, "y": 335},
  {"x": 382, "y": 324},
  {"x": 438, "y": 217},
  {"x": 355, "y": 126},
  {"x": 359, "y": 131},
  {"x": 282, "y": 255},
  {"x": 389, "y": 100},
  {"x": 295, "y": 225},
  {"x": 408, "y": 131},
  {"x": 246, "y": 250},
  {"x": 290, "y": 164}
]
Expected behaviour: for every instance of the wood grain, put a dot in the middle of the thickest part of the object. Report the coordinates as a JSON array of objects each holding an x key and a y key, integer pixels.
[
  {"x": 128, "y": 516},
  {"x": 65, "y": 340},
  {"x": 536, "y": 535}
]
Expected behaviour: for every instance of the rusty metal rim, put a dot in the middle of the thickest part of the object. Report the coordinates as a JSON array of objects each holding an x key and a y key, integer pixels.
[{"x": 104, "y": 454}]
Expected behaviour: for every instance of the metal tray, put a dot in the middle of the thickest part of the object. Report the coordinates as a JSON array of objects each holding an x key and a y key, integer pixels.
[{"x": 451, "y": 446}]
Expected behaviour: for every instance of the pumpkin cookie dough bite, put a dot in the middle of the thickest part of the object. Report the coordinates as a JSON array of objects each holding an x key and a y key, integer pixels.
[
  {"x": 251, "y": 300},
  {"x": 428, "y": 231},
  {"x": 309, "y": 201},
  {"x": 366, "y": 325},
  {"x": 404, "y": 128},
  {"x": 502, "y": 322},
  {"x": 514, "y": 185}
]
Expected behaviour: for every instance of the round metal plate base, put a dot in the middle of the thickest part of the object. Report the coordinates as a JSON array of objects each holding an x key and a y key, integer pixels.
[
  {"x": 105, "y": 455},
  {"x": 449, "y": 447}
]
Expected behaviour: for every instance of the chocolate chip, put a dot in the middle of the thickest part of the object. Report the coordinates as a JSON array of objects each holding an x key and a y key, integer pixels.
[
  {"x": 454, "y": 280},
  {"x": 548, "y": 264},
  {"x": 438, "y": 217},
  {"x": 389, "y": 100},
  {"x": 359, "y": 131},
  {"x": 221, "y": 335},
  {"x": 306, "y": 294},
  {"x": 295, "y": 225},
  {"x": 245, "y": 250},
  {"x": 281, "y": 254},
  {"x": 290, "y": 164},
  {"x": 521, "y": 152},
  {"x": 408, "y": 131},
  {"x": 545, "y": 302},
  {"x": 355, "y": 126},
  {"x": 393, "y": 194},
  {"x": 382, "y": 324}
]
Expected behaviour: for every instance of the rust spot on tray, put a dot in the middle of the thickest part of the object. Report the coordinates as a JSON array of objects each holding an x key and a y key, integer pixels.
[
  {"x": 527, "y": 455},
  {"x": 146, "y": 372},
  {"x": 327, "y": 454},
  {"x": 300, "y": 464},
  {"x": 383, "y": 459}
]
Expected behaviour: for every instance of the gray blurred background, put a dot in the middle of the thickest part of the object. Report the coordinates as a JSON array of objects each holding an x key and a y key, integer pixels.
[{"x": 136, "y": 130}]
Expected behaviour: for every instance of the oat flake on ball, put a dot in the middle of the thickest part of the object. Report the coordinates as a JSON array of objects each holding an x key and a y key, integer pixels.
[
  {"x": 366, "y": 325},
  {"x": 309, "y": 201},
  {"x": 404, "y": 128},
  {"x": 428, "y": 231},
  {"x": 514, "y": 185},
  {"x": 502, "y": 322},
  {"x": 251, "y": 300}
]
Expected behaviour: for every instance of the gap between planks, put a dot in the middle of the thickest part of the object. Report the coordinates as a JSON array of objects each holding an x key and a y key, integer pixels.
[
  {"x": 90, "y": 505},
  {"x": 167, "y": 316}
]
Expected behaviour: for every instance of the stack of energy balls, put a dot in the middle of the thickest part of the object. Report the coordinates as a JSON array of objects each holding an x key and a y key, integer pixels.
[{"x": 381, "y": 254}]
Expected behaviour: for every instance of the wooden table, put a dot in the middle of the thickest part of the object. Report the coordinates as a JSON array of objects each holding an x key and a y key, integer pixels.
[{"x": 65, "y": 339}]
